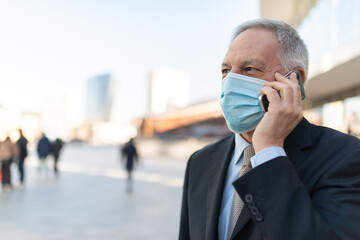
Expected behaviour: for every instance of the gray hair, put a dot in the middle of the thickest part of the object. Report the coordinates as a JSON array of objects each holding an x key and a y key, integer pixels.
[{"x": 293, "y": 49}]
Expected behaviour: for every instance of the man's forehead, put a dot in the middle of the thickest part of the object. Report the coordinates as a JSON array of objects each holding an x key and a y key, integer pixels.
[
  {"x": 253, "y": 37},
  {"x": 254, "y": 44}
]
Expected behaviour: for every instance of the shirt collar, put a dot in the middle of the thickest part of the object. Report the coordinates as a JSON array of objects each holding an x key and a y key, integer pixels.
[{"x": 240, "y": 145}]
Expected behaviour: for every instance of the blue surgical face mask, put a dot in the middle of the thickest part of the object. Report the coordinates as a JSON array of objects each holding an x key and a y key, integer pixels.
[{"x": 240, "y": 102}]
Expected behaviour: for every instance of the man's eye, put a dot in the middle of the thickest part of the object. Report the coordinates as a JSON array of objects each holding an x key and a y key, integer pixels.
[
  {"x": 250, "y": 69},
  {"x": 225, "y": 71}
]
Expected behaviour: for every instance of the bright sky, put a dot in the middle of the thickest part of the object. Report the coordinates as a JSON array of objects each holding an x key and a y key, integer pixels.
[{"x": 50, "y": 48}]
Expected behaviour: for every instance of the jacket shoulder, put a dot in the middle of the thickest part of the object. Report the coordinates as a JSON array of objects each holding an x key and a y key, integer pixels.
[
  {"x": 204, "y": 153},
  {"x": 333, "y": 138}
]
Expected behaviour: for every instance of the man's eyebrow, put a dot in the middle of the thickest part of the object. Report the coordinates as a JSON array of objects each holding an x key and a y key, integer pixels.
[
  {"x": 244, "y": 63},
  {"x": 224, "y": 64},
  {"x": 251, "y": 61}
]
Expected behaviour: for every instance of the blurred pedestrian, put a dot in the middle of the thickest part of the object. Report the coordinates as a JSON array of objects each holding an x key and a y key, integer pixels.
[
  {"x": 129, "y": 156},
  {"x": 43, "y": 150},
  {"x": 22, "y": 146},
  {"x": 8, "y": 151},
  {"x": 55, "y": 150}
]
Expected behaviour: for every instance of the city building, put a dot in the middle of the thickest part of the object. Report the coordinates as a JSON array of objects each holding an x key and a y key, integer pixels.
[
  {"x": 99, "y": 98},
  {"x": 202, "y": 119},
  {"x": 98, "y": 127},
  {"x": 169, "y": 90}
]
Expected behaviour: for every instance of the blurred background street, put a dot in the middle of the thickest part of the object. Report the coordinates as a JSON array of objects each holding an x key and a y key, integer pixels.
[
  {"x": 94, "y": 74},
  {"x": 89, "y": 201}
]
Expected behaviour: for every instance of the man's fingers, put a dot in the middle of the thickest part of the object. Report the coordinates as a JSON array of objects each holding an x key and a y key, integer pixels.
[
  {"x": 271, "y": 94},
  {"x": 281, "y": 78},
  {"x": 286, "y": 91},
  {"x": 297, "y": 90},
  {"x": 289, "y": 88}
]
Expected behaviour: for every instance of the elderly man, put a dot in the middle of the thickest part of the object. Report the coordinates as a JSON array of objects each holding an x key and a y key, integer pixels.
[{"x": 303, "y": 181}]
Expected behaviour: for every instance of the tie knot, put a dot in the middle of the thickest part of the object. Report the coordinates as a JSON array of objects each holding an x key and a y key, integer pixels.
[{"x": 248, "y": 153}]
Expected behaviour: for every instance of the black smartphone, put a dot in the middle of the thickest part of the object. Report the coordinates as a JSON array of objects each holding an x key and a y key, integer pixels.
[{"x": 264, "y": 102}]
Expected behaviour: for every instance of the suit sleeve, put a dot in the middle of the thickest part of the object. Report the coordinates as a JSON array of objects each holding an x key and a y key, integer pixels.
[
  {"x": 184, "y": 233},
  {"x": 283, "y": 208}
]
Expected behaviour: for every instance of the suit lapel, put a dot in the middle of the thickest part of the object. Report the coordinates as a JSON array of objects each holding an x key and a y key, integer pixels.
[{"x": 218, "y": 163}]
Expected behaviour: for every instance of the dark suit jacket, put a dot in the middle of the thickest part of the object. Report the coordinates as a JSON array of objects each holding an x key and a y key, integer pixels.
[{"x": 312, "y": 194}]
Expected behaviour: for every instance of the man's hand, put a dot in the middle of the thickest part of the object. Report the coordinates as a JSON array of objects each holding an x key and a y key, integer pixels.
[{"x": 284, "y": 112}]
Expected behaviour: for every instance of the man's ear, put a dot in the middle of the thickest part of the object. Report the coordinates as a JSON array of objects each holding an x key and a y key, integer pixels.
[{"x": 302, "y": 73}]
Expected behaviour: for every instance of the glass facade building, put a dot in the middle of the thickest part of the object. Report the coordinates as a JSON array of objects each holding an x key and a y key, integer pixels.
[
  {"x": 331, "y": 30},
  {"x": 329, "y": 25},
  {"x": 99, "y": 98}
]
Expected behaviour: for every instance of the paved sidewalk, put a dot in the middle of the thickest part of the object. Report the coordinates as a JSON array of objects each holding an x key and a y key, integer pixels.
[{"x": 89, "y": 201}]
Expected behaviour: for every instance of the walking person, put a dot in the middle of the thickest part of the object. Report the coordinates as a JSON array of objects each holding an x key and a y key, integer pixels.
[
  {"x": 22, "y": 147},
  {"x": 129, "y": 155},
  {"x": 8, "y": 151},
  {"x": 55, "y": 150},
  {"x": 43, "y": 150}
]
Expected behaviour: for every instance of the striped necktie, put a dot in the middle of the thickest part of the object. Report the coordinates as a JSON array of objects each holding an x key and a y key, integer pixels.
[{"x": 238, "y": 204}]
